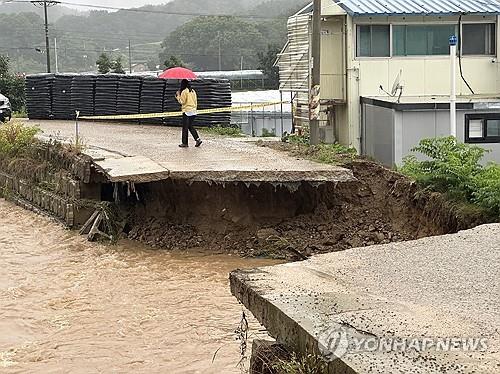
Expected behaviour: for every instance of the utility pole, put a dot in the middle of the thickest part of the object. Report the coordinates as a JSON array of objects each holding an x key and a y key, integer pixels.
[
  {"x": 45, "y": 4},
  {"x": 314, "y": 96},
  {"x": 241, "y": 70},
  {"x": 55, "y": 53},
  {"x": 220, "y": 54},
  {"x": 129, "y": 57}
]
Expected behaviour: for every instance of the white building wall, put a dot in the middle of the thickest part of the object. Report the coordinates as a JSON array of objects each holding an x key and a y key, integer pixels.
[
  {"x": 416, "y": 125},
  {"x": 421, "y": 75}
]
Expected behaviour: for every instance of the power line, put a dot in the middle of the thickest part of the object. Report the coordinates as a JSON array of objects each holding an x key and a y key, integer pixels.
[{"x": 157, "y": 11}]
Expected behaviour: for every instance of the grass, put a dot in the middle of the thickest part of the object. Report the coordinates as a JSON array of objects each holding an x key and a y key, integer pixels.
[
  {"x": 298, "y": 146},
  {"x": 20, "y": 114},
  {"x": 16, "y": 138},
  {"x": 308, "y": 364},
  {"x": 268, "y": 134},
  {"x": 222, "y": 131}
]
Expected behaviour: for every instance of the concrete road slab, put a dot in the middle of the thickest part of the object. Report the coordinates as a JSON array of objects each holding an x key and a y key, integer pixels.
[
  {"x": 347, "y": 305},
  {"x": 218, "y": 159},
  {"x": 138, "y": 169}
]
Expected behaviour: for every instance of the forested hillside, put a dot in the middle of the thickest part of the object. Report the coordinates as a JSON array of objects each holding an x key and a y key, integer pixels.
[{"x": 155, "y": 33}]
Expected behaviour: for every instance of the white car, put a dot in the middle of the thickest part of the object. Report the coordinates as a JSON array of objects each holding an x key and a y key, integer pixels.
[{"x": 5, "y": 109}]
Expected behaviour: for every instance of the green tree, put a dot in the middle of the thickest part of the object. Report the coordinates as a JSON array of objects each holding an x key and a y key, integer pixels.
[
  {"x": 152, "y": 64},
  {"x": 266, "y": 64},
  {"x": 200, "y": 38},
  {"x": 174, "y": 62},
  {"x": 12, "y": 85},
  {"x": 4, "y": 65},
  {"x": 117, "y": 66},
  {"x": 104, "y": 64}
]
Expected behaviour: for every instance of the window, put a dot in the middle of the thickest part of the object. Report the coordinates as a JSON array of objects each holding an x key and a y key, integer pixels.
[
  {"x": 373, "y": 41},
  {"x": 478, "y": 39},
  {"x": 482, "y": 128},
  {"x": 422, "y": 40}
]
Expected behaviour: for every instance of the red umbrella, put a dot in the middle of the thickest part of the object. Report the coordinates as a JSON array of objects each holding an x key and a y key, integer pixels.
[{"x": 178, "y": 73}]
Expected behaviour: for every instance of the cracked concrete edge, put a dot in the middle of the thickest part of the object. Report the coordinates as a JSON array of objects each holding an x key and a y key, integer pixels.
[
  {"x": 283, "y": 328},
  {"x": 271, "y": 176}
]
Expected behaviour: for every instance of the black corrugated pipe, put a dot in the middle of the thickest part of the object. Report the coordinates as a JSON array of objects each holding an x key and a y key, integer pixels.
[{"x": 460, "y": 52}]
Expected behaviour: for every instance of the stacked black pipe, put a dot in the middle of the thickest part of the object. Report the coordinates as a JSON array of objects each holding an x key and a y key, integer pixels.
[
  {"x": 129, "y": 93},
  {"x": 61, "y": 97},
  {"x": 39, "y": 95},
  {"x": 58, "y": 96},
  {"x": 212, "y": 94},
  {"x": 106, "y": 90},
  {"x": 83, "y": 93},
  {"x": 152, "y": 93}
]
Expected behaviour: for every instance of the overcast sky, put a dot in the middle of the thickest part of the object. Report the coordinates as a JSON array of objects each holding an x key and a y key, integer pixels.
[{"x": 118, "y": 3}]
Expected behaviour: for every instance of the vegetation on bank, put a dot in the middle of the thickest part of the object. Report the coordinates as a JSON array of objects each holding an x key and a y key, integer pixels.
[
  {"x": 308, "y": 364},
  {"x": 455, "y": 169},
  {"x": 451, "y": 168},
  {"x": 334, "y": 154},
  {"x": 16, "y": 139}
]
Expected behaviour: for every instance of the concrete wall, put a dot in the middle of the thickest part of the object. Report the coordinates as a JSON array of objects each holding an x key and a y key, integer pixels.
[{"x": 421, "y": 75}]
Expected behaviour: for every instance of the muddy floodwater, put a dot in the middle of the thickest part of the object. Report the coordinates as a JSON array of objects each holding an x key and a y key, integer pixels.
[{"x": 69, "y": 306}]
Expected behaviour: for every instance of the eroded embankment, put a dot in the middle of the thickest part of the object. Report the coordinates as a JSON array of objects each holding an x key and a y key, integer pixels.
[
  {"x": 258, "y": 219},
  {"x": 380, "y": 207}
]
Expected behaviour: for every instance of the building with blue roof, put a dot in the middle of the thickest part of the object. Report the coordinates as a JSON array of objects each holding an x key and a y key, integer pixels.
[{"x": 386, "y": 72}]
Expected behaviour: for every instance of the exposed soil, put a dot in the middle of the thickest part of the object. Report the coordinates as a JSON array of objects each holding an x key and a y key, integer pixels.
[
  {"x": 286, "y": 221},
  {"x": 382, "y": 206}
]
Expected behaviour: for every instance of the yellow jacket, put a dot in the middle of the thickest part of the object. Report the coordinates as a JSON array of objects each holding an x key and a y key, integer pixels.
[{"x": 188, "y": 100}]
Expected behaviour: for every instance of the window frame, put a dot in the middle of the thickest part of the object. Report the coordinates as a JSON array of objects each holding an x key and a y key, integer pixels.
[
  {"x": 415, "y": 57},
  {"x": 447, "y": 23},
  {"x": 483, "y": 117},
  {"x": 495, "y": 33},
  {"x": 357, "y": 40}
]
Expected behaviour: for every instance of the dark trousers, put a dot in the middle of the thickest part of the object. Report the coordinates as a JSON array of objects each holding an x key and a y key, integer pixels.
[{"x": 187, "y": 124}]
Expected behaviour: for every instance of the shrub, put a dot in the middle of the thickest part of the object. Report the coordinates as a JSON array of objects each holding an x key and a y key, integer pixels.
[
  {"x": 268, "y": 134},
  {"x": 455, "y": 169},
  {"x": 16, "y": 138},
  {"x": 487, "y": 188},
  {"x": 449, "y": 167},
  {"x": 308, "y": 364}
]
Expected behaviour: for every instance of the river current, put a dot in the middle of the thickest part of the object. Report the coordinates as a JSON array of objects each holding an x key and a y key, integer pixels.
[{"x": 70, "y": 306}]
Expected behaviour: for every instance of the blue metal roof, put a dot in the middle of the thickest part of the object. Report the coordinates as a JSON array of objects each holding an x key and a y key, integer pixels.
[{"x": 417, "y": 7}]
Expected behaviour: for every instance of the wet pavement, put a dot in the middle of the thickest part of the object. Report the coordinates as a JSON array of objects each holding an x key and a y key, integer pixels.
[{"x": 218, "y": 159}]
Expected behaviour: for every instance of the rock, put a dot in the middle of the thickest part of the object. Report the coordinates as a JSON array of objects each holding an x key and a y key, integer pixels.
[
  {"x": 264, "y": 234},
  {"x": 355, "y": 242},
  {"x": 380, "y": 236}
]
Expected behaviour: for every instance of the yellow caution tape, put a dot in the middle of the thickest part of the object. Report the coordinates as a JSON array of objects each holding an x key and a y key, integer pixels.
[{"x": 178, "y": 114}]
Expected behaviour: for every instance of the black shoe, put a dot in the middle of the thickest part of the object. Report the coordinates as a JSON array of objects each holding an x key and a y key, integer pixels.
[
  {"x": 183, "y": 145},
  {"x": 198, "y": 143}
]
